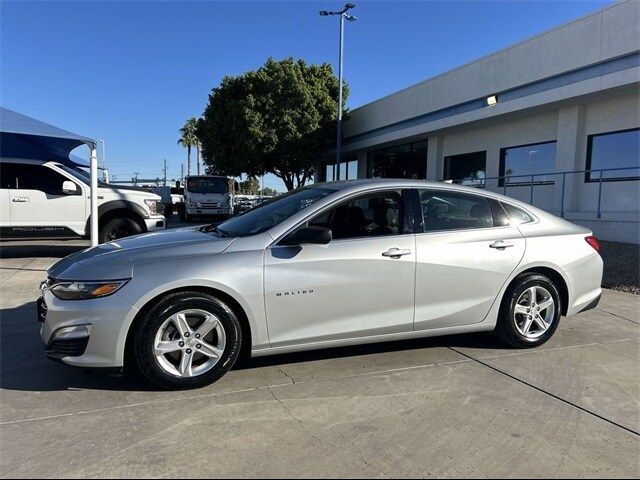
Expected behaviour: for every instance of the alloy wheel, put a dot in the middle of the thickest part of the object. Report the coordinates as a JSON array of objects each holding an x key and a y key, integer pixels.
[
  {"x": 189, "y": 343},
  {"x": 534, "y": 312}
]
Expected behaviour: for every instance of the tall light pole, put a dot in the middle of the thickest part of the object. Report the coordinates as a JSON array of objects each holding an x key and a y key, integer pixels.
[{"x": 343, "y": 15}]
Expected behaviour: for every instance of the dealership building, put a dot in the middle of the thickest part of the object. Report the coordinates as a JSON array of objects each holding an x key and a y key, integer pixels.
[{"x": 553, "y": 121}]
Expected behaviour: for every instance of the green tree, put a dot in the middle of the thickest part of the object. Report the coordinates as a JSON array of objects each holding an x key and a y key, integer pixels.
[
  {"x": 250, "y": 186},
  {"x": 268, "y": 192},
  {"x": 278, "y": 119},
  {"x": 188, "y": 139}
]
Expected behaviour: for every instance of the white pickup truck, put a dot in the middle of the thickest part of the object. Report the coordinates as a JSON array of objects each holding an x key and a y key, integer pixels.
[{"x": 51, "y": 200}]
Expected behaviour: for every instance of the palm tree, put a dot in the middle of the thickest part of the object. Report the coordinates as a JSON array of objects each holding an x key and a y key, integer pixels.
[{"x": 189, "y": 139}]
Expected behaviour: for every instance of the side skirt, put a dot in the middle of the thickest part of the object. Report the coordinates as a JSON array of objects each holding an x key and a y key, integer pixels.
[{"x": 484, "y": 326}]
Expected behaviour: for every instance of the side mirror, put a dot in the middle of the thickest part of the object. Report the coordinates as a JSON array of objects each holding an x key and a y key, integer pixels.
[
  {"x": 309, "y": 235},
  {"x": 69, "y": 188}
]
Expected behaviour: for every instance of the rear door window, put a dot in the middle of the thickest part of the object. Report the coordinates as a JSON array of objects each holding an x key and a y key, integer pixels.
[{"x": 442, "y": 211}]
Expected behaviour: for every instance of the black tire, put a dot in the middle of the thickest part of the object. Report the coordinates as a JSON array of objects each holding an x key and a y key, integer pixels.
[
  {"x": 145, "y": 332},
  {"x": 506, "y": 327},
  {"x": 119, "y": 228}
]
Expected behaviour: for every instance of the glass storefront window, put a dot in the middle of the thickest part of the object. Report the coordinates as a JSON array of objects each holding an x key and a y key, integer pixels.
[
  {"x": 614, "y": 150},
  {"x": 348, "y": 170},
  {"x": 401, "y": 161},
  {"x": 466, "y": 168},
  {"x": 532, "y": 159}
]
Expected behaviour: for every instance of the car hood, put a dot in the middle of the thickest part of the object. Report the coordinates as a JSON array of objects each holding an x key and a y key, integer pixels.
[{"x": 116, "y": 260}]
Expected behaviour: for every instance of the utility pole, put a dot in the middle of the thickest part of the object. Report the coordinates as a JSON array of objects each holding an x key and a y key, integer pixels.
[
  {"x": 164, "y": 172},
  {"x": 182, "y": 174},
  {"x": 135, "y": 180}
]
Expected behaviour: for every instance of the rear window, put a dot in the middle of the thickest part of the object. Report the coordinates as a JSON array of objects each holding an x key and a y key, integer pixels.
[{"x": 516, "y": 215}]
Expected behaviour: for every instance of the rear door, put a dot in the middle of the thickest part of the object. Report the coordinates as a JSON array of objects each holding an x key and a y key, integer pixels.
[
  {"x": 360, "y": 284},
  {"x": 464, "y": 256}
]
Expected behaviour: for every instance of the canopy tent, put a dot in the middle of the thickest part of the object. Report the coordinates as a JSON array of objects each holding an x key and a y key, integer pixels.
[{"x": 26, "y": 137}]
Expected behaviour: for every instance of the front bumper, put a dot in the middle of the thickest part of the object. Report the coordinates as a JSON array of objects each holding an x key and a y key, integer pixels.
[
  {"x": 209, "y": 211},
  {"x": 155, "y": 223},
  {"x": 99, "y": 348}
]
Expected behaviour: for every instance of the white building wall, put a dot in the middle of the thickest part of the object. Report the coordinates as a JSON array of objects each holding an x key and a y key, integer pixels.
[
  {"x": 534, "y": 129},
  {"x": 603, "y": 35},
  {"x": 576, "y": 80},
  {"x": 568, "y": 125}
]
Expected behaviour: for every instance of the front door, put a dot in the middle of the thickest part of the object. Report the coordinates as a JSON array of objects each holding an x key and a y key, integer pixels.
[
  {"x": 39, "y": 207},
  {"x": 464, "y": 257},
  {"x": 360, "y": 284}
]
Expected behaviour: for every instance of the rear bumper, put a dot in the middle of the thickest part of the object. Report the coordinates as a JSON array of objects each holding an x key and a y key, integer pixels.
[
  {"x": 585, "y": 280},
  {"x": 593, "y": 304}
]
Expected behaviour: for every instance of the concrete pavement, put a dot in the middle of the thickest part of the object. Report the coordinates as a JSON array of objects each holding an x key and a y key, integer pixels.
[{"x": 447, "y": 407}]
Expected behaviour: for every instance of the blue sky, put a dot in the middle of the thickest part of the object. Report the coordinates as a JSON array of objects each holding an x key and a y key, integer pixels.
[{"x": 131, "y": 72}]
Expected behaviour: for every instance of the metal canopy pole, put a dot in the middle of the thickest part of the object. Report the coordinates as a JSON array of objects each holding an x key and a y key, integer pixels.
[{"x": 93, "y": 162}]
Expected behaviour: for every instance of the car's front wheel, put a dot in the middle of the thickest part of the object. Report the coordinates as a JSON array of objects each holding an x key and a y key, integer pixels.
[
  {"x": 530, "y": 311},
  {"x": 187, "y": 340}
]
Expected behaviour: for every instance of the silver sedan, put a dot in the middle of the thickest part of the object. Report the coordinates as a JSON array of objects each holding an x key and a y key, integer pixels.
[{"x": 323, "y": 266}]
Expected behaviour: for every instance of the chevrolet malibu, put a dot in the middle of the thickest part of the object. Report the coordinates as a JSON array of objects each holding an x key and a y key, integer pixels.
[{"x": 328, "y": 265}]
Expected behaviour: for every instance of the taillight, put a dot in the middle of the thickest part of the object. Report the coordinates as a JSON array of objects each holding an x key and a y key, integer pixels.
[{"x": 594, "y": 242}]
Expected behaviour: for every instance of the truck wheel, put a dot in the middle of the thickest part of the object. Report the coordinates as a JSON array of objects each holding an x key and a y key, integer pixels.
[{"x": 119, "y": 228}]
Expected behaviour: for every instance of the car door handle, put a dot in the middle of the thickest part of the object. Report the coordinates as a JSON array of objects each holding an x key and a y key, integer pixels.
[
  {"x": 20, "y": 199},
  {"x": 396, "y": 252},
  {"x": 500, "y": 245}
]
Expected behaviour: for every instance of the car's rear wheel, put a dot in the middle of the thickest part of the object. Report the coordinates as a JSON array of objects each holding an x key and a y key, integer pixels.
[
  {"x": 188, "y": 340},
  {"x": 119, "y": 228},
  {"x": 530, "y": 312}
]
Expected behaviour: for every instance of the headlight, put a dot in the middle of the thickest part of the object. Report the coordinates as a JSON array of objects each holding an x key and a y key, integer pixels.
[
  {"x": 153, "y": 206},
  {"x": 86, "y": 290}
]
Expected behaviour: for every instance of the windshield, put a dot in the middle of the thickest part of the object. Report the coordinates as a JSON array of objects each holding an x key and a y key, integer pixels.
[
  {"x": 207, "y": 184},
  {"x": 79, "y": 174},
  {"x": 273, "y": 212}
]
